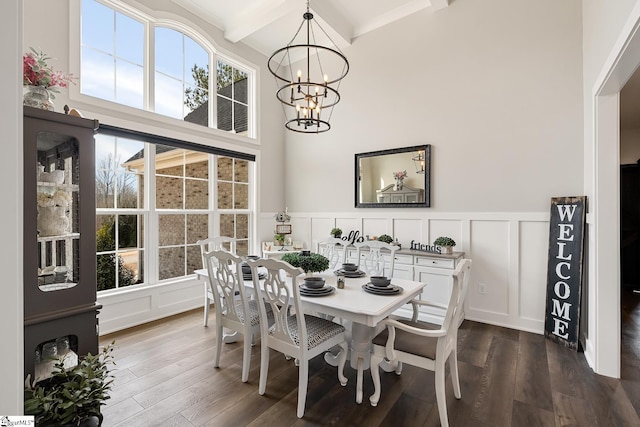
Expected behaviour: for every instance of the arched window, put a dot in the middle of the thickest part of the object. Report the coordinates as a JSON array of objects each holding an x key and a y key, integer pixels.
[{"x": 177, "y": 81}]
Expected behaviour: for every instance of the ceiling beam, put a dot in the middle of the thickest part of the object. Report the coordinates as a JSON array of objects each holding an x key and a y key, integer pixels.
[
  {"x": 439, "y": 4},
  {"x": 254, "y": 19},
  {"x": 393, "y": 15},
  {"x": 333, "y": 22}
]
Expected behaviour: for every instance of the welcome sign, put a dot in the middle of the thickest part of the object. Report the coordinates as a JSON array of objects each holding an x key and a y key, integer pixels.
[{"x": 564, "y": 272}]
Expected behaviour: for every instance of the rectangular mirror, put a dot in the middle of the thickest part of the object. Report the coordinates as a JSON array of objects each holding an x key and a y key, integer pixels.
[{"x": 399, "y": 177}]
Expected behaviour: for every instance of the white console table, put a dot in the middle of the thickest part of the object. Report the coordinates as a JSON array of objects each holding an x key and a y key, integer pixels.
[
  {"x": 278, "y": 251},
  {"x": 433, "y": 269}
]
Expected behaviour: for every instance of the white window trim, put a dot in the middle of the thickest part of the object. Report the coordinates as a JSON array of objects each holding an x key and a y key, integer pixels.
[{"x": 181, "y": 24}]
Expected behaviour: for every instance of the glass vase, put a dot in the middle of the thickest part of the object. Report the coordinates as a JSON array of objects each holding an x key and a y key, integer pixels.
[{"x": 38, "y": 97}]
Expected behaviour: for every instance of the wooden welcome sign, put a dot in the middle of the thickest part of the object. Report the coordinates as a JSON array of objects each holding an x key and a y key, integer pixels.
[{"x": 564, "y": 272}]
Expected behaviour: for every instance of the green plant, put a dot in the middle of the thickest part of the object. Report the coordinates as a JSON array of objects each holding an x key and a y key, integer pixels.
[
  {"x": 444, "y": 241},
  {"x": 309, "y": 263},
  {"x": 385, "y": 238},
  {"x": 278, "y": 237},
  {"x": 71, "y": 395},
  {"x": 336, "y": 232}
]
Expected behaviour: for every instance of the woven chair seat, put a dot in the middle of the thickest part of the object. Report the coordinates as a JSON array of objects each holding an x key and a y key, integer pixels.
[
  {"x": 318, "y": 330},
  {"x": 254, "y": 315}
]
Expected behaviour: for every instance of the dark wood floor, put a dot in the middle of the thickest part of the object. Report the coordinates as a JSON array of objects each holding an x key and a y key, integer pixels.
[{"x": 166, "y": 377}]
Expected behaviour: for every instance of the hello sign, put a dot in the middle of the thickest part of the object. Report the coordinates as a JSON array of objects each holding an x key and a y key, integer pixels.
[{"x": 564, "y": 272}]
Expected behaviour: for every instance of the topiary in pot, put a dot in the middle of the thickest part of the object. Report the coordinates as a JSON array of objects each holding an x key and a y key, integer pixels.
[
  {"x": 385, "y": 238},
  {"x": 446, "y": 243},
  {"x": 309, "y": 263},
  {"x": 72, "y": 396},
  {"x": 336, "y": 232}
]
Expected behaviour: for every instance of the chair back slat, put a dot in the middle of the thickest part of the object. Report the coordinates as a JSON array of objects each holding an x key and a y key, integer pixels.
[
  {"x": 223, "y": 270},
  {"x": 281, "y": 297},
  {"x": 371, "y": 257},
  {"x": 453, "y": 316},
  {"x": 335, "y": 250},
  {"x": 217, "y": 243}
]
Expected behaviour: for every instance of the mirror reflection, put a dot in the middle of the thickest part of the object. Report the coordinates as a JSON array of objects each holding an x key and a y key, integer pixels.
[{"x": 397, "y": 177}]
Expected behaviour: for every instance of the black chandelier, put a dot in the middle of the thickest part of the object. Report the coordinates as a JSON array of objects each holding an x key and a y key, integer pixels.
[{"x": 308, "y": 96}]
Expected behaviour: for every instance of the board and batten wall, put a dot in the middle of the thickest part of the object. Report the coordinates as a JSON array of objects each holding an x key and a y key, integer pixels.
[{"x": 509, "y": 252}]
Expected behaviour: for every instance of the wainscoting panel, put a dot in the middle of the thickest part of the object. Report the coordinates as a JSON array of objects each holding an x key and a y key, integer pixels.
[
  {"x": 131, "y": 307},
  {"x": 346, "y": 224},
  {"x": 376, "y": 226},
  {"x": 489, "y": 250},
  {"x": 445, "y": 227},
  {"x": 408, "y": 229},
  {"x": 509, "y": 253},
  {"x": 533, "y": 270}
]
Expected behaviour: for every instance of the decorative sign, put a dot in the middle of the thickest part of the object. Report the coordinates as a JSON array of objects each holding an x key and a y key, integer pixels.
[
  {"x": 353, "y": 237},
  {"x": 564, "y": 272},
  {"x": 283, "y": 228},
  {"x": 415, "y": 246}
]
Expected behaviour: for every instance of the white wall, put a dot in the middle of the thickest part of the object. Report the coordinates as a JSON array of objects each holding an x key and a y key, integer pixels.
[
  {"x": 494, "y": 86},
  {"x": 11, "y": 314}
]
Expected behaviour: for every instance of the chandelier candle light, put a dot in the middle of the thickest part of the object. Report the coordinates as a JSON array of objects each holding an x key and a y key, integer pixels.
[{"x": 306, "y": 95}]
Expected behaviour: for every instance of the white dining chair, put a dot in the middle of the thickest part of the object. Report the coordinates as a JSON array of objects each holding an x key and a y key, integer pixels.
[
  {"x": 294, "y": 332},
  {"x": 376, "y": 258},
  {"x": 217, "y": 243},
  {"x": 234, "y": 310},
  {"x": 425, "y": 345},
  {"x": 335, "y": 250}
]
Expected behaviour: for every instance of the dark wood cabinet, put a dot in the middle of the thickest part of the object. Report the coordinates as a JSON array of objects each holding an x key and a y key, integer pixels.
[{"x": 60, "y": 309}]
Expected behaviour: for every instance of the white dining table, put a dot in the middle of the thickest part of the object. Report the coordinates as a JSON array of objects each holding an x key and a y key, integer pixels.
[{"x": 361, "y": 309}]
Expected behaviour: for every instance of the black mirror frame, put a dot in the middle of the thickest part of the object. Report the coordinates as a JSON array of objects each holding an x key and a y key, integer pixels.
[{"x": 427, "y": 177}]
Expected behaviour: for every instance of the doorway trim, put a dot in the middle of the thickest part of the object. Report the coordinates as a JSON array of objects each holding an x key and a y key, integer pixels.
[{"x": 603, "y": 340}]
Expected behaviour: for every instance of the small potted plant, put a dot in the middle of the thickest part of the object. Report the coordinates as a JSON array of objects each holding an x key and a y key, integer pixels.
[
  {"x": 446, "y": 243},
  {"x": 309, "y": 263},
  {"x": 72, "y": 396},
  {"x": 336, "y": 232},
  {"x": 279, "y": 239},
  {"x": 385, "y": 238}
]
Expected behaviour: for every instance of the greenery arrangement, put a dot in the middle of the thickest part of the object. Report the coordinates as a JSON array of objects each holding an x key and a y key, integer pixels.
[
  {"x": 72, "y": 396},
  {"x": 309, "y": 263},
  {"x": 385, "y": 238},
  {"x": 336, "y": 232},
  {"x": 278, "y": 238},
  {"x": 444, "y": 241}
]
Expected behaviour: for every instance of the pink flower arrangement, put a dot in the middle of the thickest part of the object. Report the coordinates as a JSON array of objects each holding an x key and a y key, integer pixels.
[
  {"x": 400, "y": 175},
  {"x": 36, "y": 72}
]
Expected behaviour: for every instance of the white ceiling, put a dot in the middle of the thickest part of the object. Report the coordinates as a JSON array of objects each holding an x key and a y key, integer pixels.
[{"x": 267, "y": 25}]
